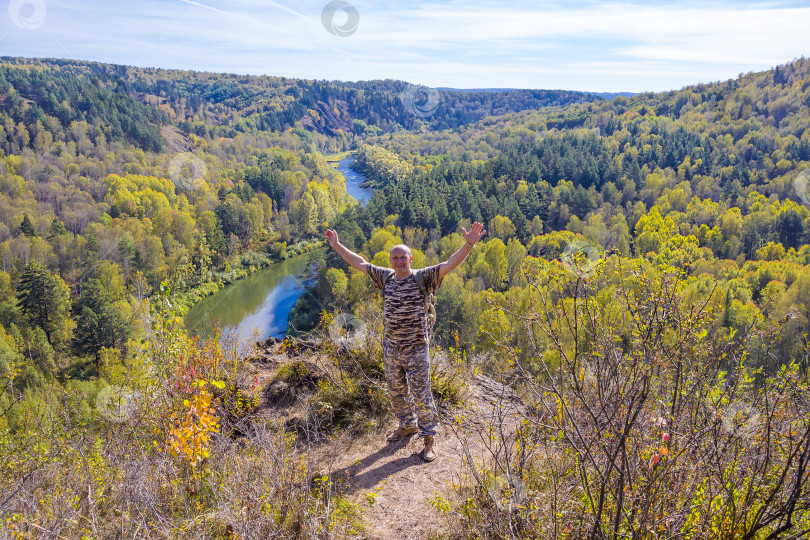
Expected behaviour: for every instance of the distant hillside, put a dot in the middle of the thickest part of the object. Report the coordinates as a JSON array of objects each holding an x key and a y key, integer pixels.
[
  {"x": 726, "y": 138},
  {"x": 611, "y": 95},
  {"x": 705, "y": 157},
  {"x": 51, "y": 99},
  {"x": 132, "y": 103},
  {"x": 603, "y": 95}
]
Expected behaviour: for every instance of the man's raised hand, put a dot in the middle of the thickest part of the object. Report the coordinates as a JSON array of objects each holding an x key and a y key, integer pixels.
[
  {"x": 471, "y": 237},
  {"x": 353, "y": 259},
  {"x": 474, "y": 234},
  {"x": 331, "y": 237}
]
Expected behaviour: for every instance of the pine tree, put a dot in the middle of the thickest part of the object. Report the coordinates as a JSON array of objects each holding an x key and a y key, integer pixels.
[
  {"x": 126, "y": 251},
  {"x": 57, "y": 228},
  {"x": 727, "y": 322},
  {"x": 44, "y": 300},
  {"x": 26, "y": 227},
  {"x": 93, "y": 247},
  {"x": 99, "y": 322},
  {"x": 91, "y": 261}
]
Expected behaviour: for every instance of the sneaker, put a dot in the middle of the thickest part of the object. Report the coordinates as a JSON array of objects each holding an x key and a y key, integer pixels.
[
  {"x": 402, "y": 432},
  {"x": 428, "y": 454}
]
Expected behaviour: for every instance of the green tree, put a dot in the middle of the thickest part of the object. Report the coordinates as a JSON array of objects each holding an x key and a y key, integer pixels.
[
  {"x": 501, "y": 227},
  {"x": 772, "y": 251},
  {"x": 332, "y": 285},
  {"x": 126, "y": 252},
  {"x": 789, "y": 228},
  {"x": 10, "y": 356},
  {"x": 201, "y": 258},
  {"x": 515, "y": 253},
  {"x": 494, "y": 328},
  {"x": 57, "y": 229},
  {"x": 45, "y": 301},
  {"x": 99, "y": 322},
  {"x": 26, "y": 227},
  {"x": 497, "y": 262}
]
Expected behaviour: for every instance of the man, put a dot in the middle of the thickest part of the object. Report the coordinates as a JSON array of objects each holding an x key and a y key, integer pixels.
[{"x": 407, "y": 332}]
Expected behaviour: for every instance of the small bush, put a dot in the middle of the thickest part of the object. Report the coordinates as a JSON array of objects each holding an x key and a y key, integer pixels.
[
  {"x": 446, "y": 387},
  {"x": 251, "y": 259},
  {"x": 237, "y": 404},
  {"x": 295, "y": 372},
  {"x": 352, "y": 404},
  {"x": 447, "y": 376}
]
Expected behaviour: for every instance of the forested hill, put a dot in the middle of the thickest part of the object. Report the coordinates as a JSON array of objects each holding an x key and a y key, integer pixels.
[
  {"x": 114, "y": 179},
  {"x": 131, "y": 103},
  {"x": 710, "y": 175},
  {"x": 719, "y": 142},
  {"x": 41, "y": 98}
]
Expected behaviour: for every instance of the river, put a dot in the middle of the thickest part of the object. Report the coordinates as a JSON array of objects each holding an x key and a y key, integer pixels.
[
  {"x": 353, "y": 181},
  {"x": 253, "y": 308},
  {"x": 257, "y": 307}
]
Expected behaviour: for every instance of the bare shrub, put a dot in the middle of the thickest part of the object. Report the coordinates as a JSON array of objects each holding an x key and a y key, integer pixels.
[{"x": 649, "y": 418}]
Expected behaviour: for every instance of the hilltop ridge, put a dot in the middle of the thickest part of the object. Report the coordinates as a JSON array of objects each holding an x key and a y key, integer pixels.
[{"x": 243, "y": 103}]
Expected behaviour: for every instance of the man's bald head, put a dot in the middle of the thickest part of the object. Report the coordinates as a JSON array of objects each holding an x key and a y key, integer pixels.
[
  {"x": 401, "y": 258},
  {"x": 402, "y": 247}
]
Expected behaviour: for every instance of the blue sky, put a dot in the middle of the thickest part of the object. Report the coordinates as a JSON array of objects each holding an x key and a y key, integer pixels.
[{"x": 611, "y": 45}]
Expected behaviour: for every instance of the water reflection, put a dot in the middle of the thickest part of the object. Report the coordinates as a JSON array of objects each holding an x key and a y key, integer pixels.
[{"x": 253, "y": 308}]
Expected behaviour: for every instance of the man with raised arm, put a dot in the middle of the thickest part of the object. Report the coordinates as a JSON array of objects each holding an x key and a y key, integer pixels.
[{"x": 407, "y": 332}]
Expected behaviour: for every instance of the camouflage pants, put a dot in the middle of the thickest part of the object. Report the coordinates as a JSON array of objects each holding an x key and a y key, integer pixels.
[{"x": 407, "y": 372}]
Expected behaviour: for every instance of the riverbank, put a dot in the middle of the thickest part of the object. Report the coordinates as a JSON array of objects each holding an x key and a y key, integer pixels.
[
  {"x": 249, "y": 263},
  {"x": 336, "y": 158}
]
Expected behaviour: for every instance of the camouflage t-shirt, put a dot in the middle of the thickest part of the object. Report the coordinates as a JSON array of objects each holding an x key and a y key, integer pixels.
[{"x": 404, "y": 312}]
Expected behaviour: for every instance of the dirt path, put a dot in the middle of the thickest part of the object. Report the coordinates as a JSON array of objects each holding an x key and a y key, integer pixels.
[
  {"x": 391, "y": 481},
  {"x": 400, "y": 483}
]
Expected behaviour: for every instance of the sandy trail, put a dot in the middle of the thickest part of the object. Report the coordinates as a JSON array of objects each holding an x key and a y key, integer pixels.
[
  {"x": 391, "y": 481},
  {"x": 397, "y": 480}
]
